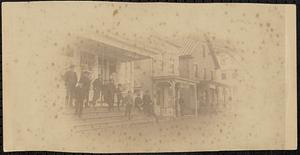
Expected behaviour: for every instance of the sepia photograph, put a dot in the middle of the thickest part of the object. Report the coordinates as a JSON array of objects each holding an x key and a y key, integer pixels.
[{"x": 112, "y": 77}]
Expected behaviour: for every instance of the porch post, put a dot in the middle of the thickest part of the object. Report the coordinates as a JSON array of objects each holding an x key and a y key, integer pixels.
[
  {"x": 196, "y": 98},
  {"x": 173, "y": 98},
  {"x": 132, "y": 75}
]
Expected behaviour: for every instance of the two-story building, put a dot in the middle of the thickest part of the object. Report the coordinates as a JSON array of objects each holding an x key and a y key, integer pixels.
[{"x": 190, "y": 71}]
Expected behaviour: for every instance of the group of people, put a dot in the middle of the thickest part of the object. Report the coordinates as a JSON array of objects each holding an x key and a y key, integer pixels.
[
  {"x": 78, "y": 91},
  {"x": 142, "y": 104}
]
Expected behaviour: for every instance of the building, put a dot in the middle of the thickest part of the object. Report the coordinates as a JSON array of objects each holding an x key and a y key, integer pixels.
[
  {"x": 190, "y": 71},
  {"x": 108, "y": 56}
]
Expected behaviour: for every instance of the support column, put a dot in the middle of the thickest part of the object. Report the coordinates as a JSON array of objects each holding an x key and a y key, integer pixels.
[
  {"x": 132, "y": 76},
  {"x": 196, "y": 100},
  {"x": 173, "y": 98}
]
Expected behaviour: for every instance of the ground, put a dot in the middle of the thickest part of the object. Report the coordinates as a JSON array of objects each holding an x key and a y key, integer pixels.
[{"x": 208, "y": 131}]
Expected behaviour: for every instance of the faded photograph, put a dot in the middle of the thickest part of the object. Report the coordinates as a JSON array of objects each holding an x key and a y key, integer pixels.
[{"x": 140, "y": 77}]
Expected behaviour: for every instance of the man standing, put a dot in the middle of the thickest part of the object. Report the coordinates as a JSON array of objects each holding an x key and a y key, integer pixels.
[
  {"x": 97, "y": 87},
  {"x": 119, "y": 95},
  {"x": 80, "y": 94},
  {"x": 70, "y": 79},
  {"x": 86, "y": 82},
  {"x": 128, "y": 101},
  {"x": 146, "y": 103},
  {"x": 110, "y": 94},
  {"x": 138, "y": 102},
  {"x": 148, "y": 106},
  {"x": 152, "y": 111}
]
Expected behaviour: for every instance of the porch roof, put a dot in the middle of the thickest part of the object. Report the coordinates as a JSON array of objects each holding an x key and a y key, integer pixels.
[
  {"x": 111, "y": 49},
  {"x": 215, "y": 83},
  {"x": 174, "y": 78}
]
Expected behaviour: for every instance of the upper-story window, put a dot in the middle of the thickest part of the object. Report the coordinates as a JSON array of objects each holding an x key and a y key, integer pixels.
[
  {"x": 162, "y": 66},
  {"x": 204, "y": 74},
  {"x": 224, "y": 76},
  {"x": 173, "y": 68},
  {"x": 196, "y": 73},
  {"x": 212, "y": 76},
  {"x": 235, "y": 74}
]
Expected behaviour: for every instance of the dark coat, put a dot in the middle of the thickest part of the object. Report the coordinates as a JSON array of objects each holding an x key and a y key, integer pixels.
[
  {"x": 70, "y": 78},
  {"x": 86, "y": 82},
  {"x": 97, "y": 84},
  {"x": 119, "y": 93},
  {"x": 128, "y": 100},
  {"x": 110, "y": 90},
  {"x": 79, "y": 93},
  {"x": 146, "y": 99},
  {"x": 138, "y": 101}
]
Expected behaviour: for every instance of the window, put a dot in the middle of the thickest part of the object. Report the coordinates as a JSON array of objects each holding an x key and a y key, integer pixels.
[
  {"x": 69, "y": 53},
  {"x": 234, "y": 74},
  {"x": 204, "y": 52},
  {"x": 204, "y": 74},
  {"x": 173, "y": 68},
  {"x": 196, "y": 70},
  {"x": 162, "y": 66},
  {"x": 137, "y": 65},
  {"x": 112, "y": 68},
  {"x": 223, "y": 76}
]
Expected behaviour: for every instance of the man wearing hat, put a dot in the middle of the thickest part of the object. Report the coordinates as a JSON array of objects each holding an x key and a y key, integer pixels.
[
  {"x": 80, "y": 96},
  {"x": 70, "y": 79},
  {"x": 97, "y": 87},
  {"x": 86, "y": 82}
]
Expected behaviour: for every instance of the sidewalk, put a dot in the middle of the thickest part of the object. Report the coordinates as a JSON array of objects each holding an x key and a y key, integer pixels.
[{"x": 94, "y": 118}]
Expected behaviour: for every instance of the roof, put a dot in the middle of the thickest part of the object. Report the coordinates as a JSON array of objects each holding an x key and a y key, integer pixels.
[
  {"x": 152, "y": 42},
  {"x": 187, "y": 48},
  {"x": 215, "y": 83},
  {"x": 175, "y": 78},
  {"x": 192, "y": 41},
  {"x": 110, "y": 48}
]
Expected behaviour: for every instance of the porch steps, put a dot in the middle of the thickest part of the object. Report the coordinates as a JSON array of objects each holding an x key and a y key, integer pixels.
[{"x": 100, "y": 117}]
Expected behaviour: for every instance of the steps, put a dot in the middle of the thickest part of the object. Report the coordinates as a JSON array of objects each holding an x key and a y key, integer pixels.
[{"x": 99, "y": 117}]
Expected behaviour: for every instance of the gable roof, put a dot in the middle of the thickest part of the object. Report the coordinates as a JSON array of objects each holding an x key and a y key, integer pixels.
[{"x": 192, "y": 41}]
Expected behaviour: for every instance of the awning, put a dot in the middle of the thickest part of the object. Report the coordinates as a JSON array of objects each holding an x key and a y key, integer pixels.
[{"x": 111, "y": 49}]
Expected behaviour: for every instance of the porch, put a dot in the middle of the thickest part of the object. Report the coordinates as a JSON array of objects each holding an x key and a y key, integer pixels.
[{"x": 170, "y": 89}]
